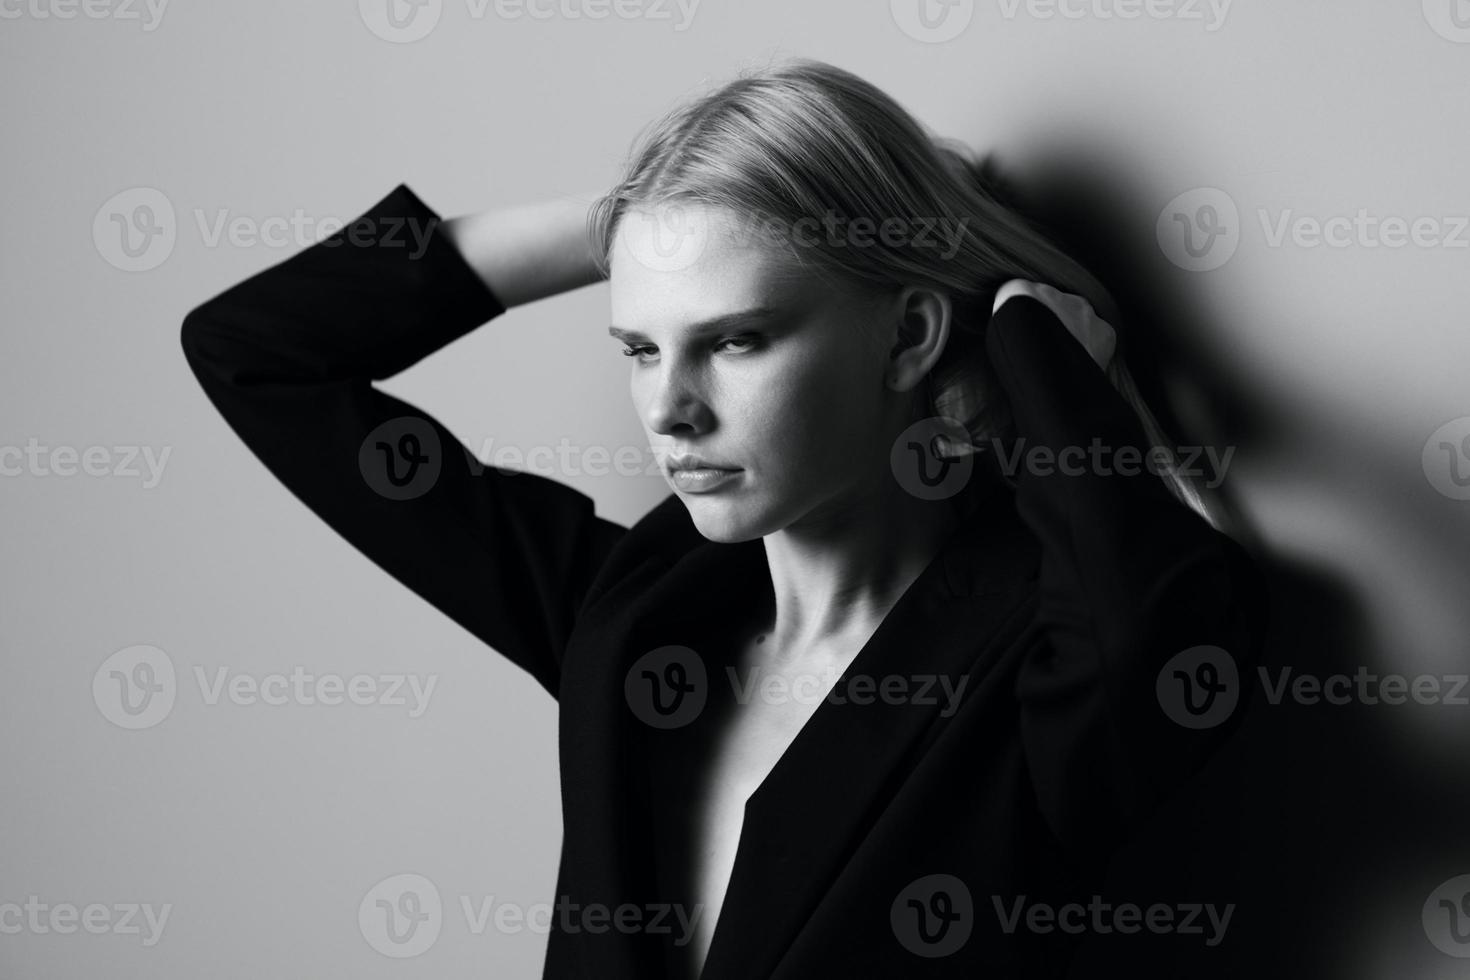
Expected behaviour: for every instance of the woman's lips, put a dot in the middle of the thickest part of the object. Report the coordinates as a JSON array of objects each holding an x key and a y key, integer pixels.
[{"x": 702, "y": 480}]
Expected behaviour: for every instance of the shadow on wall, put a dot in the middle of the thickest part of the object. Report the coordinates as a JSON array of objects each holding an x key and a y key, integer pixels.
[{"x": 1330, "y": 827}]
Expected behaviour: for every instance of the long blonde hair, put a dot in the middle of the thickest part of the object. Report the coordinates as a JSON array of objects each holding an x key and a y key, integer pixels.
[{"x": 804, "y": 138}]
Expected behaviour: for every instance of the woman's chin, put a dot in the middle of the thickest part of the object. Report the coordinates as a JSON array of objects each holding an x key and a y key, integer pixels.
[{"x": 722, "y": 521}]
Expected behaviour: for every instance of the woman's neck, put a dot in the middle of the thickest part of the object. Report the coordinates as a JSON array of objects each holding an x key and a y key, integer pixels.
[{"x": 837, "y": 572}]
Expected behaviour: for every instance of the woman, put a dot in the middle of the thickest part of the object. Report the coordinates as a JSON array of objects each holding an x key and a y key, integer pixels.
[{"x": 864, "y": 689}]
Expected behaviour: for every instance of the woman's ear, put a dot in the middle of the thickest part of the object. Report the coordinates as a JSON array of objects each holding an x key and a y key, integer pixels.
[{"x": 925, "y": 317}]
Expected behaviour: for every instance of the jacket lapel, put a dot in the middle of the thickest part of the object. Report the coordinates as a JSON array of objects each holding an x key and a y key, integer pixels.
[
  {"x": 830, "y": 785},
  {"x": 825, "y": 791}
]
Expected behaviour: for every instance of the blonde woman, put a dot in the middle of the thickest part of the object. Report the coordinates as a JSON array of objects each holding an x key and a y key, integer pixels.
[{"x": 893, "y": 663}]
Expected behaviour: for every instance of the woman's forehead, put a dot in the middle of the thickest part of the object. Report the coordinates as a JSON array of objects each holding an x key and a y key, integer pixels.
[{"x": 693, "y": 268}]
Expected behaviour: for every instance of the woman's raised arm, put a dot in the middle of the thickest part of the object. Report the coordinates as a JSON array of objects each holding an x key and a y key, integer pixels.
[
  {"x": 288, "y": 357},
  {"x": 528, "y": 251},
  {"x": 1130, "y": 577}
]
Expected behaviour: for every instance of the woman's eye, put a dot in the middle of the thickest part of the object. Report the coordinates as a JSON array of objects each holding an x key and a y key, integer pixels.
[
  {"x": 748, "y": 342},
  {"x": 743, "y": 345}
]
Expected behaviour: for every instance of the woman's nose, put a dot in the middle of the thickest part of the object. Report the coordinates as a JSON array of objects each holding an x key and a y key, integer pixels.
[{"x": 676, "y": 401}]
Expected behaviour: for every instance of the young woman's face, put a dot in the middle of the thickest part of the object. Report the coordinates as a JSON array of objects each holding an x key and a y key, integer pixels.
[{"x": 758, "y": 369}]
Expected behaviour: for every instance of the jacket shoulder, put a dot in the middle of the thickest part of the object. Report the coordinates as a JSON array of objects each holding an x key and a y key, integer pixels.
[{"x": 661, "y": 537}]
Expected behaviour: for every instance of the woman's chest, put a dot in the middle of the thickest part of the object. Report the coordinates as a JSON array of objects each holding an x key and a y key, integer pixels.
[{"x": 758, "y": 706}]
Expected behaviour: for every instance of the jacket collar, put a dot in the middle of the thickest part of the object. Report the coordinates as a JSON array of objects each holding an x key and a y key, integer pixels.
[
  {"x": 816, "y": 805},
  {"x": 818, "y": 802}
]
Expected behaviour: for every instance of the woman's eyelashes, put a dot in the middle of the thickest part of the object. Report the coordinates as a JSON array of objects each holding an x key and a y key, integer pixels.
[{"x": 746, "y": 343}]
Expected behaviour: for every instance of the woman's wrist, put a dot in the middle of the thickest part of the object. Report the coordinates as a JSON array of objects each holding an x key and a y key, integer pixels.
[{"x": 530, "y": 251}]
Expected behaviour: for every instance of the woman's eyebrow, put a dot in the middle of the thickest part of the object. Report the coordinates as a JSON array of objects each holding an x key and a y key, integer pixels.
[{"x": 725, "y": 321}]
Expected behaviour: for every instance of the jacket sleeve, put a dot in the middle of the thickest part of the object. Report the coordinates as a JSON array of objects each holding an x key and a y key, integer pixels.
[
  {"x": 289, "y": 357},
  {"x": 1130, "y": 578}
]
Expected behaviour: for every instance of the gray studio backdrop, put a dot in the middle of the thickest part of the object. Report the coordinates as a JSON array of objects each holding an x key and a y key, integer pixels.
[{"x": 156, "y": 154}]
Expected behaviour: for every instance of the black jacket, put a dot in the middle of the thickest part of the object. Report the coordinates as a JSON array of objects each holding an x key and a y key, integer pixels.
[{"x": 897, "y": 834}]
